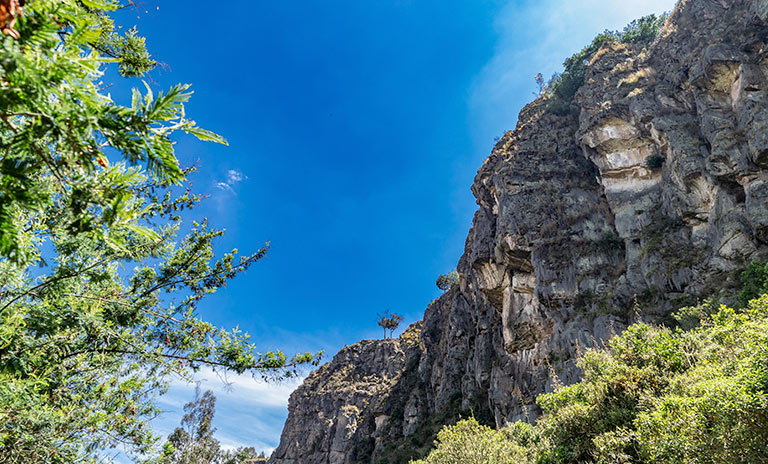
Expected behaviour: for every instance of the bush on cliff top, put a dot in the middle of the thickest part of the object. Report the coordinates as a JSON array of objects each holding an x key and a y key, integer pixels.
[
  {"x": 446, "y": 281},
  {"x": 564, "y": 86},
  {"x": 653, "y": 395}
]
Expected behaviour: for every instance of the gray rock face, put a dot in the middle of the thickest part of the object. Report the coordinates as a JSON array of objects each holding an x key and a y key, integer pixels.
[
  {"x": 339, "y": 408},
  {"x": 574, "y": 238}
]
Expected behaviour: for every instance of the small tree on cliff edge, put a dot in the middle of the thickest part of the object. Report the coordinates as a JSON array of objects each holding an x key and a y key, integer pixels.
[
  {"x": 389, "y": 322},
  {"x": 446, "y": 281}
]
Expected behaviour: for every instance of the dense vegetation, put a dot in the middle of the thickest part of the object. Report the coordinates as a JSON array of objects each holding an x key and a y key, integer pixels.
[
  {"x": 469, "y": 442},
  {"x": 420, "y": 442},
  {"x": 654, "y": 395},
  {"x": 562, "y": 87},
  {"x": 99, "y": 277},
  {"x": 754, "y": 280}
]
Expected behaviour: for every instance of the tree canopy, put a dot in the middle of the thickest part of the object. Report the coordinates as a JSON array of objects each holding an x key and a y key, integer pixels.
[
  {"x": 389, "y": 322},
  {"x": 99, "y": 277}
]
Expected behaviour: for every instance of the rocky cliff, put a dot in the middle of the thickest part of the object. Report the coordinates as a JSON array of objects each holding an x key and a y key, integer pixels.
[{"x": 575, "y": 237}]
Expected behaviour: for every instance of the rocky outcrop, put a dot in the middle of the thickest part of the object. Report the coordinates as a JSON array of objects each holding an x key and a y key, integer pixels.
[
  {"x": 575, "y": 237},
  {"x": 338, "y": 411}
]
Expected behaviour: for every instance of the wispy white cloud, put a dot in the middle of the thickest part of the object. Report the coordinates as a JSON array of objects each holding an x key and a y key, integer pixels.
[
  {"x": 249, "y": 411},
  {"x": 233, "y": 178},
  {"x": 249, "y": 390},
  {"x": 229, "y": 444}
]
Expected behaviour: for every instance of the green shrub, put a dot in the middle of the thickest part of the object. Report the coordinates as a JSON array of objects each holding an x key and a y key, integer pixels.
[
  {"x": 754, "y": 281},
  {"x": 690, "y": 317},
  {"x": 717, "y": 411},
  {"x": 564, "y": 86},
  {"x": 643, "y": 30},
  {"x": 608, "y": 397},
  {"x": 654, "y": 161},
  {"x": 659, "y": 395},
  {"x": 468, "y": 442},
  {"x": 446, "y": 281},
  {"x": 610, "y": 242},
  {"x": 654, "y": 395}
]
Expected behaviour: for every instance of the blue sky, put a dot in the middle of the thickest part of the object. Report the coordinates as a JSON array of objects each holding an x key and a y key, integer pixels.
[{"x": 355, "y": 130}]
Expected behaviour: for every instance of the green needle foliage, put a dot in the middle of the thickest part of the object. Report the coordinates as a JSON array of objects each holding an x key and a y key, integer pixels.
[{"x": 99, "y": 281}]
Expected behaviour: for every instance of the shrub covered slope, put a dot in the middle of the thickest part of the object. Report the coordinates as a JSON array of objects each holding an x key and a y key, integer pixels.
[{"x": 654, "y": 395}]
